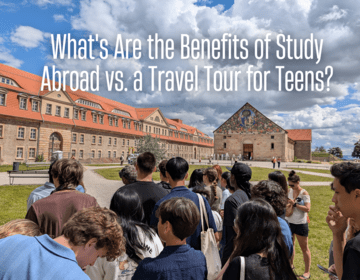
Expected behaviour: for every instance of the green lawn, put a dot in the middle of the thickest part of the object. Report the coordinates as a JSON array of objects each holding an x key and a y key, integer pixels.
[
  {"x": 104, "y": 164},
  {"x": 314, "y": 170},
  {"x": 13, "y": 202},
  {"x": 257, "y": 175},
  {"x": 4, "y": 168}
]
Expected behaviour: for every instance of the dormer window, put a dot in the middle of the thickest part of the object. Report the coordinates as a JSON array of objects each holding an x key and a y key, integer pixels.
[
  {"x": 2, "y": 99},
  {"x": 83, "y": 115},
  {"x": 94, "y": 118},
  {"x": 58, "y": 111},
  {"x": 35, "y": 106},
  {"x": 23, "y": 102},
  {"x": 116, "y": 122},
  {"x": 110, "y": 121},
  {"x": 76, "y": 114},
  {"x": 101, "y": 119}
]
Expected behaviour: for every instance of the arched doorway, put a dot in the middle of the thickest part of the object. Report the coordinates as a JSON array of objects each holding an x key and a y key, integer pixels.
[
  {"x": 55, "y": 143},
  {"x": 248, "y": 150}
]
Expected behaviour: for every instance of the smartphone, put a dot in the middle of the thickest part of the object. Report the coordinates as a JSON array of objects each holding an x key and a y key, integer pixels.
[{"x": 326, "y": 271}]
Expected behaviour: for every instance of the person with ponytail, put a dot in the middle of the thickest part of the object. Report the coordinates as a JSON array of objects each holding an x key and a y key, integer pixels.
[
  {"x": 239, "y": 179},
  {"x": 210, "y": 178},
  {"x": 260, "y": 243},
  {"x": 141, "y": 240},
  {"x": 297, "y": 216}
]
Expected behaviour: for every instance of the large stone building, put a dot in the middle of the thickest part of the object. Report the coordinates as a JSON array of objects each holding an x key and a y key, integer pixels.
[
  {"x": 82, "y": 124},
  {"x": 251, "y": 134}
]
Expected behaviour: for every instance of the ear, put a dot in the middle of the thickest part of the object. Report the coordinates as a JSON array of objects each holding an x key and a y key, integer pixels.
[
  {"x": 154, "y": 169},
  {"x": 90, "y": 243},
  {"x": 186, "y": 176},
  {"x": 168, "y": 227},
  {"x": 136, "y": 167},
  {"x": 357, "y": 193}
]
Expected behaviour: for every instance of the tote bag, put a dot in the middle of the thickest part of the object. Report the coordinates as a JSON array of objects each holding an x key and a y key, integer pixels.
[
  {"x": 242, "y": 270},
  {"x": 208, "y": 244}
]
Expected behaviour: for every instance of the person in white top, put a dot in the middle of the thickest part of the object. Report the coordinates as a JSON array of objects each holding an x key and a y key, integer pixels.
[
  {"x": 141, "y": 241},
  {"x": 297, "y": 211}
]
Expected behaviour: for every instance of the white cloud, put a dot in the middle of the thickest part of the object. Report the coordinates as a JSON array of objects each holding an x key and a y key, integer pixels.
[
  {"x": 335, "y": 14},
  {"x": 53, "y": 2},
  {"x": 29, "y": 37},
  {"x": 59, "y": 18},
  {"x": 7, "y": 58}
]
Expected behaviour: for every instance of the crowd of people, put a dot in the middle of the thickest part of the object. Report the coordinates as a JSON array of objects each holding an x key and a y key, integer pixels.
[{"x": 157, "y": 230}]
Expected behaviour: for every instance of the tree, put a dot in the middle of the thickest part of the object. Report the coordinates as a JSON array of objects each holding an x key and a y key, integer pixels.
[
  {"x": 322, "y": 149},
  {"x": 317, "y": 150},
  {"x": 356, "y": 152},
  {"x": 336, "y": 151},
  {"x": 152, "y": 145}
]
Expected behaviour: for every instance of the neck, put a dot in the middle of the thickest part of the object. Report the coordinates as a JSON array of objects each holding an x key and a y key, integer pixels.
[
  {"x": 144, "y": 177},
  {"x": 62, "y": 240},
  {"x": 175, "y": 184},
  {"x": 174, "y": 241}
]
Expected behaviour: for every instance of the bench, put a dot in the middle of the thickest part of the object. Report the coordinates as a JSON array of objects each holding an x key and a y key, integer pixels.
[
  {"x": 30, "y": 164},
  {"x": 306, "y": 166},
  {"x": 27, "y": 174}
]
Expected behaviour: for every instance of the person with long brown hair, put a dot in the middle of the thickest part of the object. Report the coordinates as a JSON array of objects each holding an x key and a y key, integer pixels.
[
  {"x": 219, "y": 173},
  {"x": 261, "y": 243},
  {"x": 210, "y": 178}
]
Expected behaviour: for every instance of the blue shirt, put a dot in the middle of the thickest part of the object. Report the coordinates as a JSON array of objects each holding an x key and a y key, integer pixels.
[
  {"x": 225, "y": 194},
  {"x": 193, "y": 240},
  {"x": 45, "y": 191},
  {"x": 174, "y": 262},
  {"x": 40, "y": 257},
  {"x": 285, "y": 230}
]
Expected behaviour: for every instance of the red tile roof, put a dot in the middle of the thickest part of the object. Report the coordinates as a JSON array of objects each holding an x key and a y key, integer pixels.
[
  {"x": 299, "y": 134},
  {"x": 143, "y": 113}
]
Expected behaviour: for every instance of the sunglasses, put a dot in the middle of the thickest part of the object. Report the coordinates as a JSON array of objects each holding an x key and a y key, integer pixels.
[{"x": 291, "y": 185}]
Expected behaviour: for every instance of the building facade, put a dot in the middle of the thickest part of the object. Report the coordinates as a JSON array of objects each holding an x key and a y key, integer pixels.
[
  {"x": 251, "y": 134},
  {"x": 88, "y": 126}
]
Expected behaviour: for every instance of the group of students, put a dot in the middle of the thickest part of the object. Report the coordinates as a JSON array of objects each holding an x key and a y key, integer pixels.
[{"x": 153, "y": 231}]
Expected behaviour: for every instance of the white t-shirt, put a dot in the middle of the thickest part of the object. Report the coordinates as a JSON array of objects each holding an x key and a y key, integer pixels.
[
  {"x": 218, "y": 220},
  {"x": 298, "y": 217},
  {"x": 123, "y": 267}
]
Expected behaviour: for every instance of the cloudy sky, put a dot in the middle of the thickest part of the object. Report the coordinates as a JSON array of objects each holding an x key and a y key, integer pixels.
[{"x": 333, "y": 115}]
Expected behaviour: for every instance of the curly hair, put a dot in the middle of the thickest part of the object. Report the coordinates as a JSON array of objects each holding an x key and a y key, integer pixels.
[
  {"x": 99, "y": 223},
  {"x": 19, "y": 226},
  {"x": 293, "y": 177},
  {"x": 273, "y": 193}
]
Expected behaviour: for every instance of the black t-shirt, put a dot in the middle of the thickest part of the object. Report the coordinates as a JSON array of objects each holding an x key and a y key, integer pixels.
[
  {"x": 230, "y": 207},
  {"x": 149, "y": 193},
  {"x": 351, "y": 259},
  {"x": 165, "y": 185},
  {"x": 256, "y": 267}
]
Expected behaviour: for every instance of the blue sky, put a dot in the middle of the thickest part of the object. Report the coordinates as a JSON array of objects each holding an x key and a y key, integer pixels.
[{"x": 332, "y": 115}]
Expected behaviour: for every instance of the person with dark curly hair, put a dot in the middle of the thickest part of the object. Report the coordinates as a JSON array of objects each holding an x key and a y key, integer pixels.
[
  {"x": 273, "y": 193},
  {"x": 88, "y": 234}
]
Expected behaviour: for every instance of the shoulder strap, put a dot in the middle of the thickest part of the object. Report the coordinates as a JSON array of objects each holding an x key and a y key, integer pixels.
[
  {"x": 242, "y": 268},
  {"x": 203, "y": 212}
]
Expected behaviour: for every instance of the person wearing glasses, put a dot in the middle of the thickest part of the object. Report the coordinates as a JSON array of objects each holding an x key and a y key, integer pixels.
[{"x": 297, "y": 217}]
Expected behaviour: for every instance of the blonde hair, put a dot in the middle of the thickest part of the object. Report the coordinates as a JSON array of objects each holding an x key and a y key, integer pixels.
[
  {"x": 212, "y": 176},
  {"x": 19, "y": 226}
]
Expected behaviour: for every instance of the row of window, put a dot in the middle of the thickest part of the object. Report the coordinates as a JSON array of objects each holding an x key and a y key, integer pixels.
[
  {"x": 20, "y": 153},
  {"x": 272, "y": 146},
  {"x": 21, "y": 132},
  {"x": 100, "y": 140},
  {"x": 93, "y": 154}
]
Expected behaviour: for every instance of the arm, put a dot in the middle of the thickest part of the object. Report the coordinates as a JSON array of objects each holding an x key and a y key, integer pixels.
[{"x": 305, "y": 208}]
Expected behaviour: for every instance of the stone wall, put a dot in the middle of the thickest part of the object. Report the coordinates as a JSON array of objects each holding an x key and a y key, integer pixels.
[{"x": 303, "y": 150}]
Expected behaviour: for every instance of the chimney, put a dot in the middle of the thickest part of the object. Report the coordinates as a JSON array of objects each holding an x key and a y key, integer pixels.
[{"x": 177, "y": 120}]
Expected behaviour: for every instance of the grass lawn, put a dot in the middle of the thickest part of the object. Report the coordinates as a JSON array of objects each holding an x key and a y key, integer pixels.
[
  {"x": 4, "y": 168},
  {"x": 103, "y": 164},
  {"x": 314, "y": 170},
  {"x": 258, "y": 174},
  {"x": 13, "y": 202}
]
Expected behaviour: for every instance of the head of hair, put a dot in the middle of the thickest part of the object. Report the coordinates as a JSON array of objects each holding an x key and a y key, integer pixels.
[
  {"x": 162, "y": 167},
  {"x": 99, "y": 223},
  {"x": 69, "y": 172},
  {"x": 259, "y": 231},
  {"x": 146, "y": 162},
  {"x": 212, "y": 176},
  {"x": 196, "y": 178},
  {"x": 280, "y": 178},
  {"x": 226, "y": 176},
  {"x": 293, "y": 177},
  {"x": 201, "y": 190},
  {"x": 182, "y": 214},
  {"x": 348, "y": 174},
  {"x": 273, "y": 193},
  {"x": 51, "y": 180},
  {"x": 177, "y": 168},
  {"x": 242, "y": 175},
  {"x": 19, "y": 226},
  {"x": 127, "y": 205},
  {"x": 218, "y": 169}
]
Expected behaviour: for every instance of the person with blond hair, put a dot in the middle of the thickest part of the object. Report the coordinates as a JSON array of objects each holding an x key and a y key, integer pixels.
[
  {"x": 19, "y": 226},
  {"x": 210, "y": 179}
]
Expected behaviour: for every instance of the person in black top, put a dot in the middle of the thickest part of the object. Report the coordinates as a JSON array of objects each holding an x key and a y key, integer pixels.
[
  {"x": 261, "y": 243},
  {"x": 240, "y": 176},
  {"x": 164, "y": 181},
  {"x": 149, "y": 192},
  {"x": 346, "y": 185}
]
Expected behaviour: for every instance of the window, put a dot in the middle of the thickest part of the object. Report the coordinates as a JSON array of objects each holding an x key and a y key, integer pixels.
[
  {"x": 114, "y": 154},
  {"x": 100, "y": 140},
  {"x": 116, "y": 122},
  {"x": 73, "y": 153},
  {"x": 115, "y": 141},
  {"x": 74, "y": 136},
  {"x": 110, "y": 141},
  {"x": 123, "y": 142},
  {"x": 149, "y": 129},
  {"x": 88, "y": 103},
  {"x": 1, "y": 131},
  {"x": 21, "y": 132},
  {"x": 272, "y": 146},
  {"x": 31, "y": 152},
  {"x": 110, "y": 121},
  {"x": 82, "y": 138},
  {"x": 23, "y": 102},
  {"x": 66, "y": 112},
  {"x": 124, "y": 124},
  {"x": 35, "y": 106},
  {"x": 109, "y": 154},
  {"x": 48, "y": 109},
  {"x": 129, "y": 125},
  {"x": 99, "y": 154},
  {"x": 76, "y": 114},
  {"x": 272, "y": 136},
  {"x": 146, "y": 128},
  {"x": 33, "y": 133},
  {"x": 2, "y": 99},
  {"x": 83, "y": 115},
  {"x": 224, "y": 137},
  {"x": 92, "y": 155},
  {"x": 20, "y": 152},
  {"x": 93, "y": 140},
  {"x": 94, "y": 118},
  {"x": 128, "y": 142},
  {"x": 81, "y": 154},
  {"x": 224, "y": 145},
  {"x": 101, "y": 119},
  {"x": 58, "y": 111}
]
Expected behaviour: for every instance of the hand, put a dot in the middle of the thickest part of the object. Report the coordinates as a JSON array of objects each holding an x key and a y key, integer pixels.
[
  {"x": 336, "y": 221},
  {"x": 292, "y": 201},
  {"x": 333, "y": 270}
]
